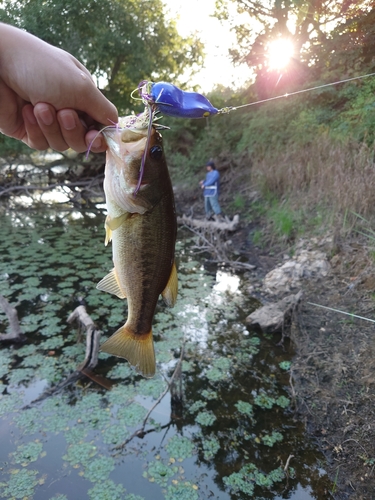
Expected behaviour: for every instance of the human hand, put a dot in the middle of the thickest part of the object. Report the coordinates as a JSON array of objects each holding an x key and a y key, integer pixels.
[{"x": 47, "y": 97}]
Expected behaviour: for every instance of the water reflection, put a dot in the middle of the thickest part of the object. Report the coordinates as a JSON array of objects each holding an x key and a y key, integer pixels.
[{"x": 226, "y": 282}]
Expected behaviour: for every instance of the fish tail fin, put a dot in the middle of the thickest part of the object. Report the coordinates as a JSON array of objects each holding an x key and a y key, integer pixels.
[{"x": 137, "y": 349}]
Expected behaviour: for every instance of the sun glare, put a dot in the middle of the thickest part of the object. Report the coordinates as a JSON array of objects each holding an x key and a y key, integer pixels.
[{"x": 279, "y": 53}]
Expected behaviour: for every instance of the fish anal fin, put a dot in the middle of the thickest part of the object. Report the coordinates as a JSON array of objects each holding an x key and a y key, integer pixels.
[
  {"x": 169, "y": 293},
  {"x": 113, "y": 223},
  {"x": 110, "y": 284},
  {"x": 137, "y": 349}
]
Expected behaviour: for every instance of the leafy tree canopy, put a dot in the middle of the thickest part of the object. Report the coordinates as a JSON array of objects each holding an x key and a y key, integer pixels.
[{"x": 121, "y": 42}]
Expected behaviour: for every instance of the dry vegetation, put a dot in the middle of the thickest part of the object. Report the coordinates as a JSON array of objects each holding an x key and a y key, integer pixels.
[{"x": 323, "y": 173}]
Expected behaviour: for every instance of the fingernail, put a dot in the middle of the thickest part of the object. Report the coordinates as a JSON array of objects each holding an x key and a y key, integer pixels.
[
  {"x": 46, "y": 116},
  {"x": 68, "y": 121}
]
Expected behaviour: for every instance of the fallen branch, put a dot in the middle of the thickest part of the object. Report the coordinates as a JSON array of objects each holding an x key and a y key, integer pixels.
[
  {"x": 219, "y": 225},
  {"x": 141, "y": 431},
  {"x": 15, "y": 334},
  {"x": 91, "y": 358},
  {"x": 92, "y": 337}
]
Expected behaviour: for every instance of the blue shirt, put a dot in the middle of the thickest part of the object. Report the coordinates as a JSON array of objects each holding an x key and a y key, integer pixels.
[{"x": 211, "y": 183}]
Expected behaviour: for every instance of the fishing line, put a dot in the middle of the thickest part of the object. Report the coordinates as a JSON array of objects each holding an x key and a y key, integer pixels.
[
  {"x": 341, "y": 312},
  {"x": 234, "y": 108}
]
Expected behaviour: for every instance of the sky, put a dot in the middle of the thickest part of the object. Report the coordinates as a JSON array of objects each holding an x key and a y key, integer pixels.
[{"x": 194, "y": 15}]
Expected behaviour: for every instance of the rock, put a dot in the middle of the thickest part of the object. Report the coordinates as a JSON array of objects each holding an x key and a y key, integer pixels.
[
  {"x": 305, "y": 264},
  {"x": 271, "y": 317}
]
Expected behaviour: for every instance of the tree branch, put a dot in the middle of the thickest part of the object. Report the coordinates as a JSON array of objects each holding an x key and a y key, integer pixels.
[{"x": 15, "y": 334}]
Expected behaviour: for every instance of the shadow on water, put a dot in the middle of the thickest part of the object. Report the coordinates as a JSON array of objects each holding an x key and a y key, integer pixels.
[{"x": 224, "y": 430}]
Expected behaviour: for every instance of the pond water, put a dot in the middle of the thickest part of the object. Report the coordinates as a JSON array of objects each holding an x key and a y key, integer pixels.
[{"x": 224, "y": 430}]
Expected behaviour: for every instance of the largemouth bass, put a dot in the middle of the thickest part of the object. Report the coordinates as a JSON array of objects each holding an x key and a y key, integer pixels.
[{"x": 141, "y": 223}]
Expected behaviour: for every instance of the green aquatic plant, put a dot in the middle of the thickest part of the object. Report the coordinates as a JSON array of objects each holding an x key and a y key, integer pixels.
[
  {"x": 9, "y": 403},
  {"x": 210, "y": 447},
  {"x": 106, "y": 490},
  {"x": 6, "y": 359},
  {"x": 219, "y": 370},
  {"x": 264, "y": 401},
  {"x": 249, "y": 476},
  {"x": 209, "y": 394},
  {"x": 85, "y": 422},
  {"x": 27, "y": 453},
  {"x": 183, "y": 491},
  {"x": 271, "y": 439},
  {"x": 159, "y": 473},
  {"x": 80, "y": 453},
  {"x": 179, "y": 447},
  {"x": 21, "y": 484},
  {"x": 283, "y": 401},
  {"x": 99, "y": 469},
  {"x": 28, "y": 420},
  {"x": 132, "y": 414},
  {"x": 205, "y": 418},
  {"x": 244, "y": 408},
  {"x": 285, "y": 365},
  {"x": 198, "y": 405},
  {"x": 152, "y": 388}
]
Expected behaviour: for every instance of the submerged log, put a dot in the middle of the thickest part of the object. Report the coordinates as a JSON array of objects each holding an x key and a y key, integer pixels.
[
  {"x": 15, "y": 334},
  {"x": 224, "y": 224}
]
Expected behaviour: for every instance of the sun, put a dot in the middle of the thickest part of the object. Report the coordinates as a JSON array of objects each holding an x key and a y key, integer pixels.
[{"x": 279, "y": 53}]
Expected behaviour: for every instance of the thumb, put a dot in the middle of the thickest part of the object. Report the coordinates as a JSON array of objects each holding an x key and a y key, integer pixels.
[{"x": 96, "y": 105}]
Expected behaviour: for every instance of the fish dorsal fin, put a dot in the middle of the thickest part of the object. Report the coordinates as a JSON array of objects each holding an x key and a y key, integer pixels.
[
  {"x": 169, "y": 293},
  {"x": 110, "y": 284},
  {"x": 113, "y": 223},
  {"x": 137, "y": 349}
]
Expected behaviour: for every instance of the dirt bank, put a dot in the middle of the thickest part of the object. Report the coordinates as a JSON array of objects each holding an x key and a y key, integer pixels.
[{"x": 333, "y": 372}]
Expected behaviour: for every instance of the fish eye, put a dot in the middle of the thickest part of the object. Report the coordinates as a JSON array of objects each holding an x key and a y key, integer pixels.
[{"x": 156, "y": 152}]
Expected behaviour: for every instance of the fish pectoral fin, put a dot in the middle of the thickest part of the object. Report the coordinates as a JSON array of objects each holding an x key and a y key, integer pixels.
[
  {"x": 137, "y": 349},
  {"x": 113, "y": 223},
  {"x": 169, "y": 293},
  {"x": 110, "y": 284}
]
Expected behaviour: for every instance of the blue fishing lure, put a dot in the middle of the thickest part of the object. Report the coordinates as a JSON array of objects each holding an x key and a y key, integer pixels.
[{"x": 172, "y": 101}]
